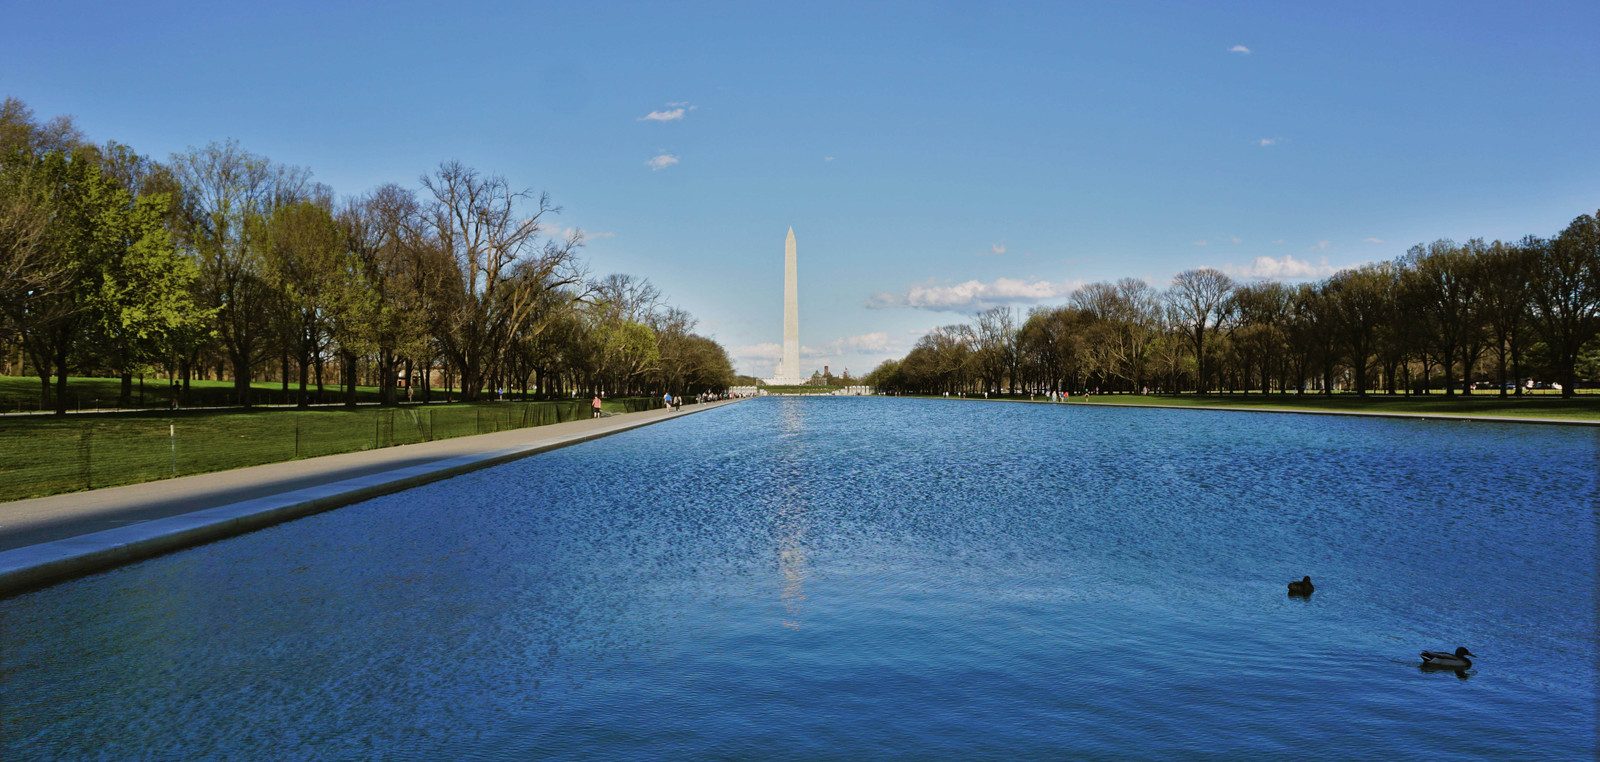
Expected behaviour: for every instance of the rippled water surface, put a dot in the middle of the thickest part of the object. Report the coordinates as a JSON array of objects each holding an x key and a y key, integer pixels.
[{"x": 848, "y": 578}]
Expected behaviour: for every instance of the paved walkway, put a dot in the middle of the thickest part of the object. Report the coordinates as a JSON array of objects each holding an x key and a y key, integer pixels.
[{"x": 48, "y": 538}]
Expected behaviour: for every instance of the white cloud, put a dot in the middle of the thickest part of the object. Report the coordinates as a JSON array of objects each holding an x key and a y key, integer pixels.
[
  {"x": 1267, "y": 141},
  {"x": 563, "y": 232},
  {"x": 995, "y": 250},
  {"x": 674, "y": 112},
  {"x": 1239, "y": 49},
  {"x": 1277, "y": 240},
  {"x": 1372, "y": 240},
  {"x": 662, "y": 162},
  {"x": 1234, "y": 239},
  {"x": 1199, "y": 243},
  {"x": 766, "y": 350},
  {"x": 877, "y": 341},
  {"x": 1286, "y": 268},
  {"x": 1322, "y": 245},
  {"x": 972, "y": 295},
  {"x": 827, "y": 158}
]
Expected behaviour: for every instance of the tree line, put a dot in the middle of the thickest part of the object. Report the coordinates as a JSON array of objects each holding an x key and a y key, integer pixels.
[
  {"x": 1445, "y": 314},
  {"x": 219, "y": 263}
]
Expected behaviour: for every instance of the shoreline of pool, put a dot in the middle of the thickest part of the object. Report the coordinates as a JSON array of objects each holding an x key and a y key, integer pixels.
[{"x": 381, "y": 472}]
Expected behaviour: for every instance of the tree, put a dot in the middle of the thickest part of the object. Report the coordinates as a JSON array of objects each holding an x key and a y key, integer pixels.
[
  {"x": 1506, "y": 270},
  {"x": 1356, "y": 301},
  {"x": 626, "y": 350},
  {"x": 1199, "y": 300},
  {"x": 1566, "y": 293},
  {"x": 496, "y": 265},
  {"x": 27, "y": 270},
  {"x": 995, "y": 347},
  {"x": 1051, "y": 343},
  {"x": 308, "y": 264},
  {"x": 229, "y": 194},
  {"x": 1262, "y": 311},
  {"x": 1445, "y": 290}
]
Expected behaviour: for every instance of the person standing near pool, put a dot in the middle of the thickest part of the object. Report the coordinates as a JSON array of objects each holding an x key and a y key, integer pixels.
[{"x": 596, "y": 406}]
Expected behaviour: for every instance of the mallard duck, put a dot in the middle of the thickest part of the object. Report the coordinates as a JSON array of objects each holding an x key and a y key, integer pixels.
[
  {"x": 1457, "y": 660},
  {"x": 1302, "y": 587}
]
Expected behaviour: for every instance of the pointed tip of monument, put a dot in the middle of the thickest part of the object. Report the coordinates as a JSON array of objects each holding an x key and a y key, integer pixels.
[{"x": 791, "y": 231}]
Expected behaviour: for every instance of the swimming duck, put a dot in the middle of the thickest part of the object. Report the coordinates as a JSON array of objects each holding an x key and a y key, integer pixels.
[
  {"x": 1303, "y": 587},
  {"x": 1457, "y": 660}
]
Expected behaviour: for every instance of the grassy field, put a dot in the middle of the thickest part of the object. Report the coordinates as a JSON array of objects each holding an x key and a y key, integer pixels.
[
  {"x": 21, "y": 393},
  {"x": 46, "y": 455},
  {"x": 1584, "y": 407}
]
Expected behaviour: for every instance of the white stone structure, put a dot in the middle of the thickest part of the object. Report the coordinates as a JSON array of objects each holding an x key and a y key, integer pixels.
[{"x": 788, "y": 373}]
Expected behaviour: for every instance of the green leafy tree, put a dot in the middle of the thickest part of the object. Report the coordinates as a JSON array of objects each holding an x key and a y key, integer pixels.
[
  {"x": 1566, "y": 293},
  {"x": 229, "y": 194}
]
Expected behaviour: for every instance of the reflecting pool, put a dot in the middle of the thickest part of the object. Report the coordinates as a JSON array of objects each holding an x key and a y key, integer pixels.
[{"x": 804, "y": 578}]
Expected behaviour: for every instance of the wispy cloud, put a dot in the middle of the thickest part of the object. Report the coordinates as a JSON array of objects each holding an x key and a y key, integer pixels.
[
  {"x": 877, "y": 341},
  {"x": 972, "y": 295},
  {"x": 1277, "y": 240},
  {"x": 672, "y": 113},
  {"x": 827, "y": 158},
  {"x": 1240, "y": 49},
  {"x": 1372, "y": 240},
  {"x": 562, "y": 231},
  {"x": 1234, "y": 239},
  {"x": 766, "y": 350},
  {"x": 1267, "y": 142},
  {"x": 662, "y": 162},
  {"x": 1286, "y": 268},
  {"x": 1322, "y": 245},
  {"x": 995, "y": 250},
  {"x": 1199, "y": 243}
]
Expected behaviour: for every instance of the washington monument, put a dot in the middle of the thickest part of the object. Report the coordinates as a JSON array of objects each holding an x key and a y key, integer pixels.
[{"x": 788, "y": 372}]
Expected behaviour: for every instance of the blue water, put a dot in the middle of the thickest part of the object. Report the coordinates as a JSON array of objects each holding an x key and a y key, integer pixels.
[{"x": 869, "y": 578}]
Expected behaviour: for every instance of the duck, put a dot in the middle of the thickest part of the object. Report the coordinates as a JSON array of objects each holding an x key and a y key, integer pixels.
[
  {"x": 1457, "y": 660},
  {"x": 1302, "y": 587}
]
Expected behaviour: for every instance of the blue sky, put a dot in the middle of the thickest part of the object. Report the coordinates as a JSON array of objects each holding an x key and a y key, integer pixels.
[{"x": 933, "y": 159}]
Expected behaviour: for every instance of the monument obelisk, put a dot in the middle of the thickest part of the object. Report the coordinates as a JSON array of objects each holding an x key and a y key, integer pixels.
[
  {"x": 791, "y": 315},
  {"x": 788, "y": 373}
]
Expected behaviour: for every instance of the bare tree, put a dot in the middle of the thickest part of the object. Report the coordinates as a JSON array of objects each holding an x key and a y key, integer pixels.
[
  {"x": 498, "y": 265},
  {"x": 26, "y": 267},
  {"x": 1199, "y": 300}
]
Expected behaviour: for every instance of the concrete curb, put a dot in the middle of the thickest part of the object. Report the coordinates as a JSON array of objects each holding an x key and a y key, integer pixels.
[
  {"x": 1301, "y": 411},
  {"x": 34, "y": 566}
]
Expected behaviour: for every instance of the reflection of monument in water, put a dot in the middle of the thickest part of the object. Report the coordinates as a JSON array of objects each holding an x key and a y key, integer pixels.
[
  {"x": 788, "y": 373},
  {"x": 791, "y": 521}
]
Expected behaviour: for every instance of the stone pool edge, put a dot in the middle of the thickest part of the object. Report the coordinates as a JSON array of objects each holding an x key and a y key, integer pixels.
[
  {"x": 36, "y": 566},
  {"x": 1295, "y": 411}
]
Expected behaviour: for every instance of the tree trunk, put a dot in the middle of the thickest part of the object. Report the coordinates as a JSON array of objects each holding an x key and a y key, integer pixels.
[
  {"x": 125, "y": 394},
  {"x": 241, "y": 379},
  {"x": 61, "y": 378},
  {"x": 348, "y": 360}
]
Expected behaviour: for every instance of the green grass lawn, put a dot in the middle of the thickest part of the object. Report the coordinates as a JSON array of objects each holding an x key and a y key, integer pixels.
[
  {"x": 1584, "y": 407},
  {"x": 46, "y": 455},
  {"x": 21, "y": 393}
]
